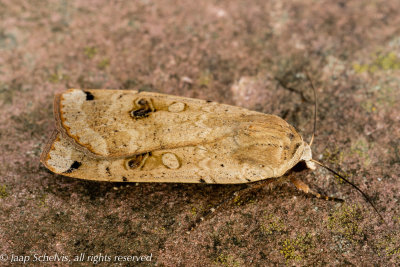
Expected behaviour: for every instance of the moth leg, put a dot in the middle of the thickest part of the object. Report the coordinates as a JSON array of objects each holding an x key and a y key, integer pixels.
[
  {"x": 242, "y": 196},
  {"x": 306, "y": 189},
  {"x": 238, "y": 197}
]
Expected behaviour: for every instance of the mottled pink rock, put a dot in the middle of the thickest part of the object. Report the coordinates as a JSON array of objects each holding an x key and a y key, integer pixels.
[{"x": 202, "y": 49}]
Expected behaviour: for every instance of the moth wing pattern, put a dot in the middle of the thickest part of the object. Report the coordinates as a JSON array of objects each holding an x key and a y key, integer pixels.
[
  {"x": 262, "y": 147},
  {"x": 120, "y": 123}
]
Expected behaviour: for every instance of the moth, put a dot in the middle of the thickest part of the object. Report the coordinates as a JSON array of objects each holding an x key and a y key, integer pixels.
[
  {"x": 131, "y": 136},
  {"x": 127, "y": 136}
]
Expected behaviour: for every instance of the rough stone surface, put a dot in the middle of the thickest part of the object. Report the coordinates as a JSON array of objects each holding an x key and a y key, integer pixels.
[{"x": 254, "y": 54}]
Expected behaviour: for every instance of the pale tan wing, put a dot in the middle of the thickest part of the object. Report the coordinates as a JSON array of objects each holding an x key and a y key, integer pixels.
[
  {"x": 118, "y": 123},
  {"x": 257, "y": 151}
]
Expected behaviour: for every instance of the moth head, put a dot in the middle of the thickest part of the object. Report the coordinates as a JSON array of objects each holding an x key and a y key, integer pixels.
[{"x": 307, "y": 157}]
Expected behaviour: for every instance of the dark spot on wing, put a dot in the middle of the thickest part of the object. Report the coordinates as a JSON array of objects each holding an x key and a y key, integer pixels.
[
  {"x": 143, "y": 111},
  {"x": 202, "y": 181},
  {"x": 297, "y": 146},
  {"x": 124, "y": 179},
  {"x": 75, "y": 165},
  {"x": 89, "y": 95},
  {"x": 136, "y": 161},
  {"x": 140, "y": 113},
  {"x": 290, "y": 136}
]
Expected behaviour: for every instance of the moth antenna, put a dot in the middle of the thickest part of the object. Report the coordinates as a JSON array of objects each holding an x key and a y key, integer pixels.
[
  {"x": 353, "y": 185},
  {"x": 315, "y": 107}
]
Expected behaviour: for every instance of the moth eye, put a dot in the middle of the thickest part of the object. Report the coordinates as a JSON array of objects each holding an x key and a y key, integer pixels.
[
  {"x": 89, "y": 96},
  {"x": 136, "y": 161},
  {"x": 75, "y": 165}
]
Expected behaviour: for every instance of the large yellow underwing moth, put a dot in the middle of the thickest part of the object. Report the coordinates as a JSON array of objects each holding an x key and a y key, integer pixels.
[
  {"x": 131, "y": 136},
  {"x": 118, "y": 135}
]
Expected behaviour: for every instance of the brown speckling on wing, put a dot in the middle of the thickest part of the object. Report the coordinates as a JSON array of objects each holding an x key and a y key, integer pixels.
[{"x": 119, "y": 123}]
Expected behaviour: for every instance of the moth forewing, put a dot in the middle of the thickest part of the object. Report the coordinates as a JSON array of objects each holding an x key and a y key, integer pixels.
[
  {"x": 120, "y": 123},
  {"x": 258, "y": 150}
]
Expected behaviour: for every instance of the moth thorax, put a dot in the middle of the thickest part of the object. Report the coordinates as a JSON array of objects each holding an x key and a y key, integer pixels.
[{"x": 307, "y": 156}]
